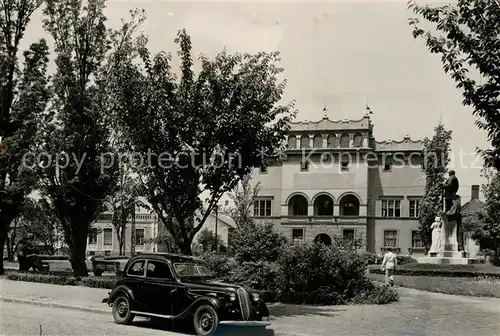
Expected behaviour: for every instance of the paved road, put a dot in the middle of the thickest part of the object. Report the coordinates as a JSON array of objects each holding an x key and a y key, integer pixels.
[
  {"x": 25, "y": 320},
  {"x": 417, "y": 314}
]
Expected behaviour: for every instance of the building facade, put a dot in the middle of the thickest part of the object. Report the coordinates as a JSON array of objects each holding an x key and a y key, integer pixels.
[
  {"x": 335, "y": 179},
  {"x": 220, "y": 224},
  {"x": 103, "y": 241}
]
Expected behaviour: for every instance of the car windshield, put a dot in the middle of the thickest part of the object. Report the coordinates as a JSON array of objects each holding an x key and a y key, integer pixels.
[{"x": 192, "y": 270}]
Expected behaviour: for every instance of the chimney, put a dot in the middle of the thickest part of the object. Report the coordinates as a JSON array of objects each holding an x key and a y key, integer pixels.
[{"x": 474, "y": 192}]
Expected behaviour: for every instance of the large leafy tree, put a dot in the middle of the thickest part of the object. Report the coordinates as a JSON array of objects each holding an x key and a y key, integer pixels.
[
  {"x": 436, "y": 159},
  {"x": 486, "y": 227},
  {"x": 467, "y": 36},
  {"x": 77, "y": 123},
  {"x": 23, "y": 96},
  {"x": 200, "y": 132}
]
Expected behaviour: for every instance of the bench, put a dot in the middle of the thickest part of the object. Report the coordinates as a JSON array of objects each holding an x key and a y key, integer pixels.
[
  {"x": 101, "y": 266},
  {"x": 40, "y": 263},
  {"x": 43, "y": 265}
]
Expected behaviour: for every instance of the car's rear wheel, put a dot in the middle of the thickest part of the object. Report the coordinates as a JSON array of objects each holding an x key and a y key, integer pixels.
[
  {"x": 205, "y": 320},
  {"x": 122, "y": 311}
]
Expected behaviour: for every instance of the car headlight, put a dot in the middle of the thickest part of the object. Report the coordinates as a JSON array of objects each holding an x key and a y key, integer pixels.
[
  {"x": 232, "y": 296},
  {"x": 255, "y": 296}
]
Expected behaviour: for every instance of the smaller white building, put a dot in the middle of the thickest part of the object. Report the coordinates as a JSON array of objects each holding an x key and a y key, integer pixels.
[{"x": 220, "y": 223}]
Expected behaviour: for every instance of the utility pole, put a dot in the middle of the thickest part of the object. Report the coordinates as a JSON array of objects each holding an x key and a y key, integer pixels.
[
  {"x": 132, "y": 233},
  {"x": 216, "y": 224}
]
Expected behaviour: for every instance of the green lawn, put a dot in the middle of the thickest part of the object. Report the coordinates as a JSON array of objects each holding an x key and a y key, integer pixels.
[{"x": 481, "y": 287}]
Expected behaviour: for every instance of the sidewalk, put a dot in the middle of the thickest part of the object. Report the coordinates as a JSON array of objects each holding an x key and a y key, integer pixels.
[{"x": 70, "y": 297}]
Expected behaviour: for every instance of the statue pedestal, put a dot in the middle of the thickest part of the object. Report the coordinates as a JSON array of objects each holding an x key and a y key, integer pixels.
[{"x": 449, "y": 255}]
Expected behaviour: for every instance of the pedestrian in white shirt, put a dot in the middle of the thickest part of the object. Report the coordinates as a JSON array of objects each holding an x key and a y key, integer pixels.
[{"x": 389, "y": 265}]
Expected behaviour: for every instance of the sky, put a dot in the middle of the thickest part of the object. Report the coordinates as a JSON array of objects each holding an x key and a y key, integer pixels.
[{"x": 344, "y": 53}]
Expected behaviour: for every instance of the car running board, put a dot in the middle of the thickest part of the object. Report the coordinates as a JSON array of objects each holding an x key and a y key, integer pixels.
[{"x": 152, "y": 315}]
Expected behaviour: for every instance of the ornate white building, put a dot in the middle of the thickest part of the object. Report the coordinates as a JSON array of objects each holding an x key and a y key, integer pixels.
[{"x": 336, "y": 179}]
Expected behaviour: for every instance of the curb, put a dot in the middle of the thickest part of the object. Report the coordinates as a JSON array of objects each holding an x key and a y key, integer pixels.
[
  {"x": 86, "y": 309},
  {"x": 100, "y": 311},
  {"x": 55, "y": 305}
]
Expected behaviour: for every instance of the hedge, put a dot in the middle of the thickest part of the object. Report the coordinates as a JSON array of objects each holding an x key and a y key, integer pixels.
[
  {"x": 43, "y": 278},
  {"x": 93, "y": 282},
  {"x": 53, "y": 257},
  {"x": 468, "y": 271},
  {"x": 111, "y": 258},
  {"x": 376, "y": 259}
]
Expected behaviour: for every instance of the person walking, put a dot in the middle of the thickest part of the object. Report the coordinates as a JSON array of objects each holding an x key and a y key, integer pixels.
[
  {"x": 22, "y": 255},
  {"x": 389, "y": 266}
]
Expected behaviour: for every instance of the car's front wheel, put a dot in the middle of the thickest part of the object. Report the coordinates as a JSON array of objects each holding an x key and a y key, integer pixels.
[
  {"x": 122, "y": 311},
  {"x": 205, "y": 320}
]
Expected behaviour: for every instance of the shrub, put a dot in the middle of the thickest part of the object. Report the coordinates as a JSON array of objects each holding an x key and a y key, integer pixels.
[
  {"x": 256, "y": 276},
  {"x": 376, "y": 295},
  {"x": 43, "y": 278},
  {"x": 371, "y": 258},
  {"x": 256, "y": 242},
  {"x": 406, "y": 259},
  {"x": 99, "y": 282},
  {"x": 220, "y": 265},
  {"x": 317, "y": 274}
]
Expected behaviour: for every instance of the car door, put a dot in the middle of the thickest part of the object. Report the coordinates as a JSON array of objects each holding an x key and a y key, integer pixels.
[
  {"x": 135, "y": 275},
  {"x": 159, "y": 287}
]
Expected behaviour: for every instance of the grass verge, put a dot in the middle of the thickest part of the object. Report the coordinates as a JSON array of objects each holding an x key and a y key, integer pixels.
[
  {"x": 456, "y": 271},
  {"x": 466, "y": 286}
]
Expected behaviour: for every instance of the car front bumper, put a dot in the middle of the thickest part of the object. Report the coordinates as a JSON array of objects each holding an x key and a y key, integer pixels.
[{"x": 245, "y": 323}]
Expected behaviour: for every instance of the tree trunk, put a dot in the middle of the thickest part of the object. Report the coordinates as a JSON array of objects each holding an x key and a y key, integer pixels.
[
  {"x": 186, "y": 248},
  {"x": 77, "y": 256},
  {"x": 121, "y": 243},
  {"x": 3, "y": 236}
]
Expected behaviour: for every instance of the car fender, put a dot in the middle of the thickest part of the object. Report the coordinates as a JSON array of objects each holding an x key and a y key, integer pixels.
[
  {"x": 264, "y": 310},
  {"x": 211, "y": 300},
  {"x": 119, "y": 290}
]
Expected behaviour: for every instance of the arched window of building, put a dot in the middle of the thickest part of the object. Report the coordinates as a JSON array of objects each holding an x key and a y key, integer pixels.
[
  {"x": 358, "y": 140},
  {"x": 323, "y": 206},
  {"x": 318, "y": 141},
  {"x": 349, "y": 205},
  {"x": 344, "y": 141},
  {"x": 292, "y": 142},
  {"x": 305, "y": 142},
  {"x": 297, "y": 206},
  {"x": 332, "y": 141},
  {"x": 323, "y": 238}
]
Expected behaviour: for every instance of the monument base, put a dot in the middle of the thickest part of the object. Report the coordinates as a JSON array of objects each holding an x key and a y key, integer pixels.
[{"x": 448, "y": 260}]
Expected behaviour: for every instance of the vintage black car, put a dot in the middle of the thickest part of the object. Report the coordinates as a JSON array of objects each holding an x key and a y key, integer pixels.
[{"x": 169, "y": 286}]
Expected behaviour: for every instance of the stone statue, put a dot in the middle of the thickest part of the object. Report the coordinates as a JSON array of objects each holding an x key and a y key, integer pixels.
[
  {"x": 436, "y": 245},
  {"x": 452, "y": 220},
  {"x": 450, "y": 190},
  {"x": 455, "y": 215}
]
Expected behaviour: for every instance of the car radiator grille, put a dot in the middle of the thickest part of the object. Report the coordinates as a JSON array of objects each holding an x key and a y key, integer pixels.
[{"x": 244, "y": 299}]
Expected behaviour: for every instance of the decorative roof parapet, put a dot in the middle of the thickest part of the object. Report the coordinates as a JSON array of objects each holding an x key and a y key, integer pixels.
[
  {"x": 326, "y": 124},
  {"x": 406, "y": 144}
]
